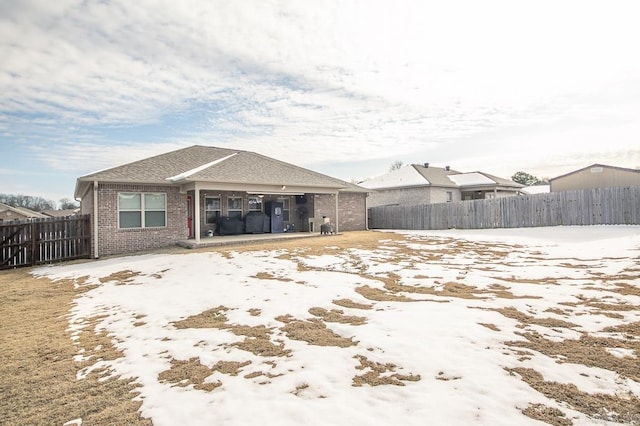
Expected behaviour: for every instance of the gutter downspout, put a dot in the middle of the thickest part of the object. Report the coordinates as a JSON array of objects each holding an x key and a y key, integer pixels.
[
  {"x": 337, "y": 214},
  {"x": 95, "y": 219}
]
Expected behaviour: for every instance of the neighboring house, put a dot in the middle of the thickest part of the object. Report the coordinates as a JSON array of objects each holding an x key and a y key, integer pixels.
[
  {"x": 18, "y": 213},
  {"x": 61, "y": 213},
  {"x": 536, "y": 189},
  {"x": 595, "y": 176},
  {"x": 200, "y": 190},
  {"x": 425, "y": 184}
]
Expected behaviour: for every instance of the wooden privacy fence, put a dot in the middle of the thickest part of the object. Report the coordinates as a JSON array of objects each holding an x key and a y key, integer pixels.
[
  {"x": 603, "y": 206},
  {"x": 38, "y": 241}
]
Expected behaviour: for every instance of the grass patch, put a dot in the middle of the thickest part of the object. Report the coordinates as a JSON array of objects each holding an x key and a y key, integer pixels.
[{"x": 38, "y": 370}]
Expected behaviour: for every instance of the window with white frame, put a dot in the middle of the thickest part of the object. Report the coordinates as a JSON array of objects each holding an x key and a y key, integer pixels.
[
  {"x": 255, "y": 203},
  {"x": 234, "y": 207},
  {"x": 285, "y": 208},
  {"x": 142, "y": 210},
  {"x": 449, "y": 196},
  {"x": 212, "y": 209}
]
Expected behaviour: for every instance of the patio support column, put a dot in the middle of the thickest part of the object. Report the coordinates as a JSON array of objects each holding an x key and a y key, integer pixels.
[
  {"x": 196, "y": 212},
  {"x": 96, "y": 230}
]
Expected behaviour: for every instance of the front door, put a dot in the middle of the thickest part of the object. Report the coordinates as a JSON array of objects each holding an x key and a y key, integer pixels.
[{"x": 190, "y": 229}]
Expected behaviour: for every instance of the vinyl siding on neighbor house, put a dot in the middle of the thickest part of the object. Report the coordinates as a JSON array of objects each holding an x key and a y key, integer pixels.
[
  {"x": 411, "y": 196},
  {"x": 595, "y": 176}
]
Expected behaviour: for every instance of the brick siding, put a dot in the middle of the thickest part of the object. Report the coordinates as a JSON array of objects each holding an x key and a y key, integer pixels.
[
  {"x": 352, "y": 211},
  {"x": 112, "y": 240}
]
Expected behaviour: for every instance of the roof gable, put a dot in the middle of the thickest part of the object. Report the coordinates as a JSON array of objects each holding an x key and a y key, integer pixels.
[
  {"x": 22, "y": 211},
  {"x": 412, "y": 176},
  {"x": 158, "y": 168},
  {"x": 604, "y": 166},
  {"x": 216, "y": 165},
  {"x": 251, "y": 168},
  {"x": 402, "y": 177},
  {"x": 437, "y": 176}
]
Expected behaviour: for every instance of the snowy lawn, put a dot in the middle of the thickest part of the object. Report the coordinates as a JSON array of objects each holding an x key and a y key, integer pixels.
[{"x": 492, "y": 327}]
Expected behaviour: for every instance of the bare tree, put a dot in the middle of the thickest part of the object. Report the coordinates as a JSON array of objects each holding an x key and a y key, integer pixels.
[
  {"x": 396, "y": 165},
  {"x": 33, "y": 203},
  {"x": 67, "y": 204}
]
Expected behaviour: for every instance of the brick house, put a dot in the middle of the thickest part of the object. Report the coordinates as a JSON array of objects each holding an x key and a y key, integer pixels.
[
  {"x": 8, "y": 213},
  {"x": 425, "y": 184},
  {"x": 200, "y": 191}
]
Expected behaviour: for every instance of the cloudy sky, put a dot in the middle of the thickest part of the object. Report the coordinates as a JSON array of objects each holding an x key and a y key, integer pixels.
[{"x": 342, "y": 87}]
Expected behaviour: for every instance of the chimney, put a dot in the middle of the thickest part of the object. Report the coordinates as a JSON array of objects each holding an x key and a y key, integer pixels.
[
  {"x": 426, "y": 165},
  {"x": 447, "y": 168}
]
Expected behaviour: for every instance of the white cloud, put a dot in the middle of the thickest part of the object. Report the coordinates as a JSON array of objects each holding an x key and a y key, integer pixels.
[{"x": 342, "y": 81}]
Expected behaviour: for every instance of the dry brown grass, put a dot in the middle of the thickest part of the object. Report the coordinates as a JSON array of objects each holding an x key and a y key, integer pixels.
[
  {"x": 313, "y": 331},
  {"x": 549, "y": 415},
  {"x": 378, "y": 374},
  {"x": 39, "y": 385},
  {"x": 257, "y": 338},
  {"x": 597, "y": 406},
  {"x": 120, "y": 277},
  {"x": 348, "y": 303},
  {"x": 189, "y": 372},
  {"x": 337, "y": 315},
  {"x": 513, "y": 313}
]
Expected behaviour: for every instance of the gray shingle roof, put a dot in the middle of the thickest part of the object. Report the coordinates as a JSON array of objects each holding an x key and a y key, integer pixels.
[
  {"x": 212, "y": 164},
  {"x": 436, "y": 176},
  {"x": 502, "y": 181}
]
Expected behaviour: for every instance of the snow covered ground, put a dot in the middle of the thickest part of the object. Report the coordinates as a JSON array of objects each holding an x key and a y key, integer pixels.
[{"x": 420, "y": 329}]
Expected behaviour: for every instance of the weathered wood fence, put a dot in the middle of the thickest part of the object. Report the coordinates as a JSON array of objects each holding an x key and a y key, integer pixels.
[
  {"x": 605, "y": 206},
  {"x": 38, "y": 241}
]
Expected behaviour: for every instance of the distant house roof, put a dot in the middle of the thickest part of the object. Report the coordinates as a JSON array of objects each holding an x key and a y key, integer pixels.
[
  {"x": 411, "y": 176},
  {"x": 475, "y": 178},
  {"x": 214, "y": 165},
  {"x": 21, "y": 211},
  {"x": 60, "y": 213},
  {"x": 624, "y": 169},
  {"x": 421, "y": 175},
  {"x": 536, "y": 189}
]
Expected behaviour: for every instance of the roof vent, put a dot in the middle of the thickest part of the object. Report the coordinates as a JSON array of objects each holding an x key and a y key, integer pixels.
[
  {"x": 447, "y": 168},
  {"x": 426, "y": 165}
]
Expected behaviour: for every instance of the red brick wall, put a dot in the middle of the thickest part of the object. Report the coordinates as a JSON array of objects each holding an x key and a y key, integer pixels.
[
  {"x": 352, "y": 211},
  {"x": 352, "y": 214},
  {"x": 324, "y": 205},
  {"x": 112, "y": 240}
]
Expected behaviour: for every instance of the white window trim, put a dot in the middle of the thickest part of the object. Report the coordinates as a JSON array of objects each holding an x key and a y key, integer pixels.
[
  {"x": 219, "y": 210},
  {"x": 286, "y": 207},
  {"x": 241, "y": 209},
  {"x": 142, "y": 209}
]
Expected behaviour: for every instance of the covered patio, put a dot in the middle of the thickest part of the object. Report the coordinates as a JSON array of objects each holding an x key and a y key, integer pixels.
[{"x": 242, "y": 239}]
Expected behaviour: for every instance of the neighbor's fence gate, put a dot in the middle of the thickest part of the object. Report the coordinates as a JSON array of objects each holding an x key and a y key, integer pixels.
[
  {"x": 603, "y": 206},
  {"x": 37, "y": 241}
]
